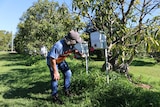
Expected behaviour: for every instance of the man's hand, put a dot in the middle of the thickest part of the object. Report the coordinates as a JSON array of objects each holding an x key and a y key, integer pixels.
[
  {"x": 76, "y": 52},
  {"x": 55, "y": 71},
  {"x": 56, "y": 75}
]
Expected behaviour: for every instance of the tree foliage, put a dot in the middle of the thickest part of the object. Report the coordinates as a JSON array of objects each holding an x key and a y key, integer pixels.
[
  {"x": 43, "y": 24},
  {"x": 126, "y": 23},
  {"x": 5, "y": 40}
]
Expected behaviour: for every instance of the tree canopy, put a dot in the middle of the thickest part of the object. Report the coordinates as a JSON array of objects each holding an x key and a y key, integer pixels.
[
  {"x": 126, "y": 23},
  {"x": 43, "y": 24},
  {"x": 5, "y": 40}
]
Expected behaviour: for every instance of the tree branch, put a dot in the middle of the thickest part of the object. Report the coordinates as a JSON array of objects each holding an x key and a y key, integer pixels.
[{"x": 124, "y": 14}]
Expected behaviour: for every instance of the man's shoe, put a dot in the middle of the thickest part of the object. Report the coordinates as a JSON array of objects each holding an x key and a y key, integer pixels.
[
  {"x": 68, "y": 93},
  {"x": 57, "y": 100}
]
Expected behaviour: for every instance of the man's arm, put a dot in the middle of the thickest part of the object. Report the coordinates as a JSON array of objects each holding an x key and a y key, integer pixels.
[
  {"x": 55, "y": 70},
  {"x": 76, "y": 52}
]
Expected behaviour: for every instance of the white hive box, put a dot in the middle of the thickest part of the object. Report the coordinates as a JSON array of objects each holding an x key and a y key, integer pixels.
[
  {"x": 82, "y": 48},
  {"x": 98, "y": 40}
]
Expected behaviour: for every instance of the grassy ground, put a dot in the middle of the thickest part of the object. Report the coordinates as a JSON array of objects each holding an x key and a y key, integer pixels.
[
  {"x": 25, "y": 82},
  {"x": 146, "y": 70}
]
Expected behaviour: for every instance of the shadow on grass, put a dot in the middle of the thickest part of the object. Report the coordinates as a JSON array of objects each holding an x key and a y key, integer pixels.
[
  {"x": 142, "y": 63},
  {"x": 123, "y": 96},
  {"x": 12, "y": 57},
  {"x": 145, "y": 99},
  {"x": 38, "y": 87},
  {"x": 18, "y": 59},
  {"x": 23, "y": 83}
]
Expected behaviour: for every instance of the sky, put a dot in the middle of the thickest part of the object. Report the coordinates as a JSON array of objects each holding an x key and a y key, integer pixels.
[{"x": 12, "y": 10}]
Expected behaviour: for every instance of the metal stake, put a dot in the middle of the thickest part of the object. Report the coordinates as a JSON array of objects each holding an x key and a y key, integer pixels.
[{"x": 107, "y": 72}]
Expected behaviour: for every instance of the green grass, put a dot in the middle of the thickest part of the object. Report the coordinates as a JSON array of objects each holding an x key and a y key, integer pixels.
[
  {"x": 25, "y": 82},
  {"x": 146, "y": 70}
]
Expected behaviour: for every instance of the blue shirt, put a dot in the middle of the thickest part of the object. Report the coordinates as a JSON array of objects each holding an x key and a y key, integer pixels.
[{"x": 58, "y": 50}]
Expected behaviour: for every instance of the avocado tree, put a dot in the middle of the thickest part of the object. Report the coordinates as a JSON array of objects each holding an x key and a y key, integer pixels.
[
  {"x": 126, "y": 23},
  {"x": 154, "y": 48},
  {"x": 43, "y": 24},
  {"x": 5, "y": 40}
]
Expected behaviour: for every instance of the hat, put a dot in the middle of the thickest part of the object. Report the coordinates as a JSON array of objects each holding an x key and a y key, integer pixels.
[{"x": 73, "y": 35}]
